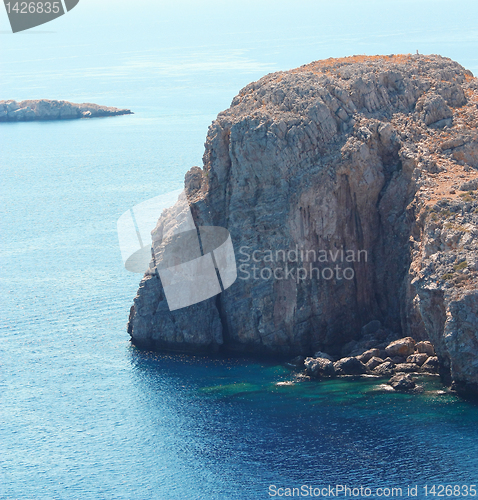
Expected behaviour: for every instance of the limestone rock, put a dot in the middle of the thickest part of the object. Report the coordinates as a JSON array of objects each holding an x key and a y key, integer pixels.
[
  {"x": 372, "y": 363},
  {"x": 402, "y": 347},
  {"x": 469, "y": 185},
  {"x": 367, "y": 355},
  {"x": 402, "y": 382},
  {"x": 431, "y": 365},
  {"x": 406, "y": 367},
  {"x": 349, "y": 366},
  {"x": 385, "y": 369},
  {"x": 425, "y": 347},
  {"x": 434, "y": 110},
  {"x": 417, "y": 358},
  {"x": 319, "y": 367}
]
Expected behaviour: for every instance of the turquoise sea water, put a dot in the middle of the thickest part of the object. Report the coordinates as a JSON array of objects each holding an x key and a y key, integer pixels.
[{"x": 83, "y": 414}]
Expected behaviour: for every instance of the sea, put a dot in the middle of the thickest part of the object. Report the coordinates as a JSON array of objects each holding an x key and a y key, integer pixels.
[{"x": 86, "y": 415}]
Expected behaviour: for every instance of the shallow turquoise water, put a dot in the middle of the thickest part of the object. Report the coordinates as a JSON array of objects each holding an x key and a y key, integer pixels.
[{"x": 83, "y": 413}]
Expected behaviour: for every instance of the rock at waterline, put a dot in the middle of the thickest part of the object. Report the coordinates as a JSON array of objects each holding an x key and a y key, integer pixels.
[
  {"x": 402, "y": 382},
  {"x": 385, "y": 369},
  {"x": 319, "y": 367},
  {"x": 349, "y": 366}
]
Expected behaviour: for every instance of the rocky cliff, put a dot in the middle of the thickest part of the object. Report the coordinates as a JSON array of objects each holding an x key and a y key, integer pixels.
[
  {"x": 44, "y": 109},
  {"x": 363, "y": 168}
]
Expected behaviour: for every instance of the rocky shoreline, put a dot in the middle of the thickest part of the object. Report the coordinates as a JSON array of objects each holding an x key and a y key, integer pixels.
[
  {"x": 398, "y": 360},
  {"x": 45, "y": 109},
  {"x": 374, "y": 154}
]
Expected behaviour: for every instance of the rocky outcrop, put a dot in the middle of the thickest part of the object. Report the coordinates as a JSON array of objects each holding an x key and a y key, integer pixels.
[
  {"x": 431, "y": 365},
  {"x": 372, "y": 363},
  {"x": 402, "y": 347},
  {"x": 319, "y": 367},
  {"x": 349, "y": 366},
  {"x": 384, "y": 369},
  {"x": 417, "y": 359},
  {"x": 402, "y": 382},
  {"x": 369, "y": 362},
  {"x": 356, "y": 165},
  {"x": 44, "y": 109}
]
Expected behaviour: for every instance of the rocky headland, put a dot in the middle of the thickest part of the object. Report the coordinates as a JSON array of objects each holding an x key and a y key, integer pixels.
[
  {"x": 45, "y": 109},
  {"x": 372, "y": 156}
]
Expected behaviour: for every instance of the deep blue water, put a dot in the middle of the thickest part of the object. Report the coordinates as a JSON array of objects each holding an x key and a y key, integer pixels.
[{"x": 83, "y": 414}]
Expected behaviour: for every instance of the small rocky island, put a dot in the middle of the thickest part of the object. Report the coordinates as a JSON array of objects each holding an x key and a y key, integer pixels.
[
  {"x": 45, "y": 109},
  {"x": 365, "y": 153}
]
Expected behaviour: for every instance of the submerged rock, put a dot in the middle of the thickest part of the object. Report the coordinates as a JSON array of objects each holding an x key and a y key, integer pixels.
[
  {"x": 402, "y": 382},
  {"x": 361, "y": 154},
  {"x": 45, "y": 109}
]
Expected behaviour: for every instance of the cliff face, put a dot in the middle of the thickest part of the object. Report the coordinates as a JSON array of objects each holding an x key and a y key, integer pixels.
[
  {"x": 44, "y": 109},
  {"x": 375, "y": 157}
]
